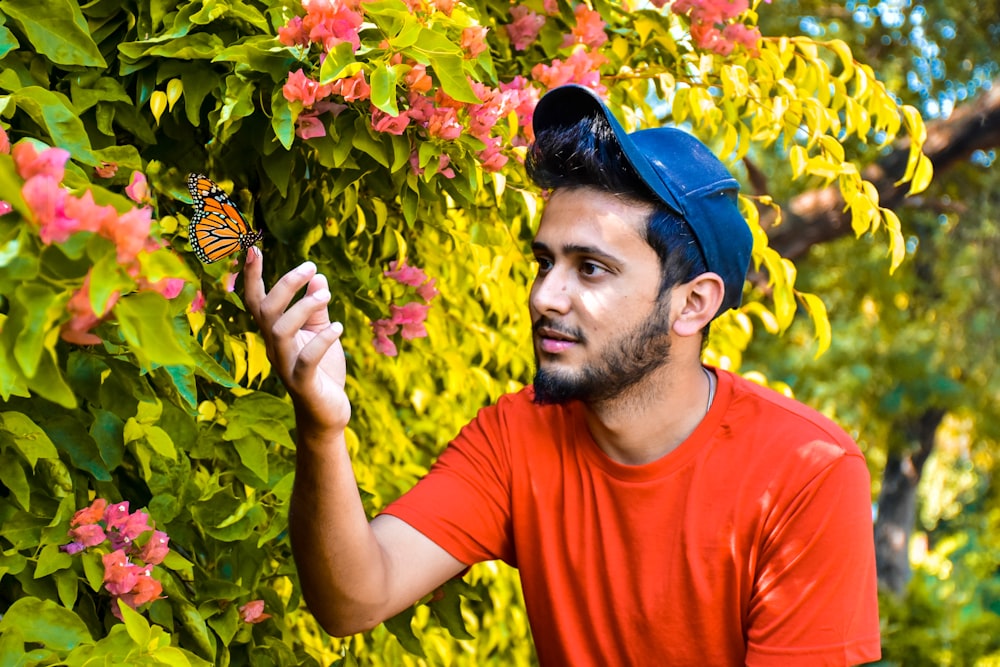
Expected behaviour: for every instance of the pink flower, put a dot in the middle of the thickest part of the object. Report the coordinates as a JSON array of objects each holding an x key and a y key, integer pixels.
[
  {"x": 428, "y": 291},
  {"x": 131, "y": 233},
  {"x": 106, "y": 170},
  {"x": 738, "y": 33},
  {"x": 411, "y": 316},
  {"x": 300, "y": 88},
  {"x": 383, "y": 122},
  {"x": 138, "y": 188},
  {"x": 89, "y": 515},
  {"x": 352, "y": 88},
  {"x": 473, "y": 41},
  {"x": 198, "y": 303},
  {"x": 309, "y": 126},
  {"x": 253, "y": 612},
  {"x": 47, "y": 200},
  {"x": 83, "y": 319},
  {"x": 491, "y": 158},
  {"x": 581, "y": 67},
  {"x": 382, "y": 330},
  {"x": 119, "y": 575},
  {"x": 88, "y": 535},
  {"x": 551, "y": 7},
  {"x": 5, "y": 207},
  {"x": 170, "y": 288},
  {"x": 444, "y": 124},
  {"x": 293, "y": 33},
  {"x": 145, "y": 589},
  {"x": 156, "y": 549},
  {"x": 418, "y": 80},
  {"x": 332, "y": 22},
  {"x": 4, "y": 141},
  {"x": 444, "y": 6},
  {"x": 72, "y": 548},
  {"x": 589, "y": 28},
  {"x": 404, "y": 274},
  {"x": 50, "y": 162},
  {"x": 525, "y": 27}
]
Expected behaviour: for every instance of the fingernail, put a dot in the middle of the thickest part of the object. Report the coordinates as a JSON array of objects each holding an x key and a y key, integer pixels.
[
  {"x": 306, "y": 268},
  {"x": 321, "y": 295},
  {"x": 337, "y": 327}
]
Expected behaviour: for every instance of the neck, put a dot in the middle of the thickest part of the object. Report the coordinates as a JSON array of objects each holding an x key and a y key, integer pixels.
[{"x": 654, "y": 417}]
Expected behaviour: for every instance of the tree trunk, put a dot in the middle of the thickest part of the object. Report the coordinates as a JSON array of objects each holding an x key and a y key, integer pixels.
[{"x": 897, "y": 502}]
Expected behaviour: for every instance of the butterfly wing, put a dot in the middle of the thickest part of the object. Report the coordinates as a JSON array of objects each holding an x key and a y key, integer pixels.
[{"x": 217, "y": 228}]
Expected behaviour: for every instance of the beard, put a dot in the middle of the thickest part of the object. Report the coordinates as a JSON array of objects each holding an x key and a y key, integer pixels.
[{"x": 620, "y": 366}]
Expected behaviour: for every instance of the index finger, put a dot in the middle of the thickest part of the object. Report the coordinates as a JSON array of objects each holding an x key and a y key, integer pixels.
[{"x": 253, "y": 281}]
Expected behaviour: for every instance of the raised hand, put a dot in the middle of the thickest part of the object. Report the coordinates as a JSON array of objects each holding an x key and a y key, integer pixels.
[{"x": 302, "y": 344}]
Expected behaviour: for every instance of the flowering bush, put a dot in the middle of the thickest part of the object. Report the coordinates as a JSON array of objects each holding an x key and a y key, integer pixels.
[{"x": 359, "y": 135}]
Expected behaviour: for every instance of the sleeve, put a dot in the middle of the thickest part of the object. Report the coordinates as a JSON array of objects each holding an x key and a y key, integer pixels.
[
  {"x": 463, "y": 504},
  {"x": 815, "y": 599}
]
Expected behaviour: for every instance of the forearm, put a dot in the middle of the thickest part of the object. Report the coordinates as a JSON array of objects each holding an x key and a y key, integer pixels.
[{"x": 340, "y": 562}]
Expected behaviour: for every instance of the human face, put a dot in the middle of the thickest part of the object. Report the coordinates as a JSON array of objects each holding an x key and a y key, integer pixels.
[{"x": 599, "y": 323}]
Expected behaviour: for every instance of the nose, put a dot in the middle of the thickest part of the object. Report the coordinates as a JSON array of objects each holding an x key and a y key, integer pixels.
[{"x": 550, "y": 293}]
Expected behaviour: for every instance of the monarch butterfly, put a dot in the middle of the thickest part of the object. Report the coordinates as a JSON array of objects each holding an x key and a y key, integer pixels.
[{"x": 217, "y": 228}]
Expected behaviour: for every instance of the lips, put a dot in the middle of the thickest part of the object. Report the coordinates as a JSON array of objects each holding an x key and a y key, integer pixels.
[{"x": 552, "y": 341}]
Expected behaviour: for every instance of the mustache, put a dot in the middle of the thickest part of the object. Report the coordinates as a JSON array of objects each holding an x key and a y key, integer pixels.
[{"x": 546, "y": 323}]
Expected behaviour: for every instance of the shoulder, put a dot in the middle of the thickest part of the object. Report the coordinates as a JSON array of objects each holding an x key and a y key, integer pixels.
[{"x": 779, "y": 437}]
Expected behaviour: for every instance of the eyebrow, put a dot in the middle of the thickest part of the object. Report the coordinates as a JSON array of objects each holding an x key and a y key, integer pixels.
[{"x": 576, "y": 249}]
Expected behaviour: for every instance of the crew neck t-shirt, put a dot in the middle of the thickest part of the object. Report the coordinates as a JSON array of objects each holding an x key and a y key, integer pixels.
[{"x": 750, "y": 543}]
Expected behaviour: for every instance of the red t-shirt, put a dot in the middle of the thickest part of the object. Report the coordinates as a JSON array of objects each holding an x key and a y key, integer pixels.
[{"x": 751, "y": 543}]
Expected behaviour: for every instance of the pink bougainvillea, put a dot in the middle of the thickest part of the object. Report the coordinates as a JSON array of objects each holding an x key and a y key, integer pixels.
[
  {"x": 128, "y": 568},
  {"x": 408, "y": 319}
]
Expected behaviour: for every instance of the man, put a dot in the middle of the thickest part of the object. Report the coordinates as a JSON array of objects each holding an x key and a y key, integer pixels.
[{"x": 659, "y": 511}]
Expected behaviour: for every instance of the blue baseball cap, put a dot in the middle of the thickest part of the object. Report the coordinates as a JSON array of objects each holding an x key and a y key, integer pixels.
[{"x": 681, "y": 171}]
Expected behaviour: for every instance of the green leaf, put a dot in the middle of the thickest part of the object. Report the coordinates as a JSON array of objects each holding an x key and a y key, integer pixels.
[
  {"x": 52, "y": 560},
  {"x": 339, "y": 63},
  {"x": 204, "y": 641},
  {"x": 93, "y": 569},
  {"x": 253, "y": 454},
  {"x": 35, "y": 309},
  {"x": 137, "y": 627},
  {"x": 448, "y": 610},
  {"x": 68, "y": 586},
  {"x": 199, "y": 46},
  {"x": 142, "y": 319},
  {"x": 7, "y": 44},
  {"x": 29, "y": 439},
  {"x": 399, "y": 626},
  {"x": 283, "y": 125},
  {"x": 57, "y": 29},
  {"x": 60, "y": 120},
  {"x": 46, "y": 623},
  {"x": 12, "y": 476},
  {"x": 450, "y": 73},
  {"x": 383, "y": 85}
]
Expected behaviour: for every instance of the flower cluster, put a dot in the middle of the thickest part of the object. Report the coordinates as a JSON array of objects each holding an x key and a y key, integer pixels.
[
  {"x": 58, "y": 214},
  {"x": 128, "y": 567},
  {"x": 408, "y": 319},
  {"x": 712, "y": 24},
  {"x": 435, "y": 115}
]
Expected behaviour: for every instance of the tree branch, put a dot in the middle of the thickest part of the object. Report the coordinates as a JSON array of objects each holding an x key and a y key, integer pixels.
[{"x": 818, "y": 216}]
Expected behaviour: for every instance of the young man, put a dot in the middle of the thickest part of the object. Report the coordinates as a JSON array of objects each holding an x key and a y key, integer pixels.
[{"x": 659, "y": 511}]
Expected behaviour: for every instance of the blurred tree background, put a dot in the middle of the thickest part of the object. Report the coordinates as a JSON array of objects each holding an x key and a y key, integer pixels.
[{"x": 913, "y": 364}]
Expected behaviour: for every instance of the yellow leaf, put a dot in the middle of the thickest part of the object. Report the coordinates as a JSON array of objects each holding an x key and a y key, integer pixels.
[
  {"x": 798, "y": 158},
  {"x": 843, "y": 52},
  {"x": 821, "y": 322},
  {"x": 922, "y": 176},
  {"x": 158, "y": 104},
  {"x": 897, "y": 245},
  {"x": 175, "y": 87}
]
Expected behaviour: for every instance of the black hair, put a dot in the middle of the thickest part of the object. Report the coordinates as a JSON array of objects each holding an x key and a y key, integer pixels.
[{"x": 587, "y": 154}]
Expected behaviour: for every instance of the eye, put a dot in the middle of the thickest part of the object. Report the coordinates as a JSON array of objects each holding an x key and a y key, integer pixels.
[
  {"x": 592, "y": 269},
  {"x": 544, "y": 264}
]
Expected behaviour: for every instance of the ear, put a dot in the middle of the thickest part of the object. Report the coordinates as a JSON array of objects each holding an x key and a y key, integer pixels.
[{"x": 696, "y": 303}]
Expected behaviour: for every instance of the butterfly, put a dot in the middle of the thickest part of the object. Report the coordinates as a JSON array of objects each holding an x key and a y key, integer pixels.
[{"x": 217, "y": 228}]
